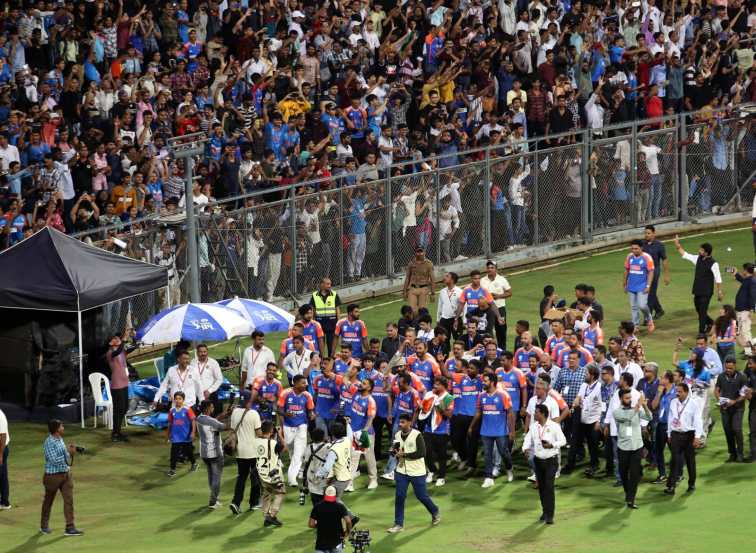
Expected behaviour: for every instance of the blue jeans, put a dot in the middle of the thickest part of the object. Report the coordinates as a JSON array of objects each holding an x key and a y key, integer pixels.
[
  {"x": 421, "y": 493},
  {"x": 638, "y": 305},
  {"x": 356, "y": 255},
  {"x": 520, "y": 228},
  {"x": 656, "y": 195},
  {"x": 502, "y": 445}
]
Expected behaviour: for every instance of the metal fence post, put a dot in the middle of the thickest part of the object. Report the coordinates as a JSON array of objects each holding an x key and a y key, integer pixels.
[
  {"x": 341, "y": 235},
  {"x": 293, "y": 239},
  {"x": 536, "y": 171},
  {"x": 633, "y": 174},
  {"x": 586, "y": 227},
  {"x": 683, "y": 173},
  {"x": 191, "y": 232},
  {"x": 487, "y": 205},
  {"x": 389, "y": 225},
  {"x": 437, "y": 185}
]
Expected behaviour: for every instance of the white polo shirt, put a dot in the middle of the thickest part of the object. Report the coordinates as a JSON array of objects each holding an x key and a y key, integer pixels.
[{"x": 254, "y": 362}]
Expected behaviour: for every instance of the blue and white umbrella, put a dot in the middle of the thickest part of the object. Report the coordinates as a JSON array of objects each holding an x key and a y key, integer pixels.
[
  {"x": 201, "y": 322},
  {"x": 263, "y": 316}
]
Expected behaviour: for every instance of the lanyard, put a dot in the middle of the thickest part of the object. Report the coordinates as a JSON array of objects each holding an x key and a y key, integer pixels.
[
  {"x": 541, "y": 432},
  {"x": 182, "y": 379},
  {"x": 201, "y": 367},
  {"x": 681, "y": 409},
  {"x": 254, "y": 357},
  {"x": 301, "y": 359},
  {"x": 589, "y": 389}
]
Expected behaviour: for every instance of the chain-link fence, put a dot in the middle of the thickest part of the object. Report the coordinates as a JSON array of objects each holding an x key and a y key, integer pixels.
[{"x": 276, "y": 244}]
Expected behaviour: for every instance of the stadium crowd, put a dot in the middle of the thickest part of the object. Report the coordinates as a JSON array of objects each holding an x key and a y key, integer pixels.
[{"x": 91, "y": 91}]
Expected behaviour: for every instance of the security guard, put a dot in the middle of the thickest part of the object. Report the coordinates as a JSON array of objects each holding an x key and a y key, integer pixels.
[
  {"x": 418, "y": 283},
  {"x": 326, "y": 304}
]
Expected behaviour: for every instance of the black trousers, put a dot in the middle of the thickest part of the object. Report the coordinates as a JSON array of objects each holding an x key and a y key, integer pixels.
[
  {"x": 701, "y": 304},
  {"x": 545, "y": 470},
  {"x": 246, "y": 470},
  {"x": 660, "y": 444},
  {"x": 465, "y": 445},
  {"x": 501, "y": 330},
  {"x": 120, "y": 406},
  {"x": 448, "y": 326},
  {"x": 329, "y": 333},
  {"x": 379, "y": 423},
  {"x": 584, "y": 432},
  {"x": 653, "y": 298},
  {"x": 435, "y": 456},
  {"x": 630, "y": 471},
  {"x": 181, "y": 449},
  {"x": 681, "y": 444},
  {"x": 732, "y": 424}
]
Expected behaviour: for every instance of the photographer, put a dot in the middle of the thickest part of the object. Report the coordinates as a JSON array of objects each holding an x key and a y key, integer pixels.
[
  {"x": 332, "y": 522},
  {"x": 58, "y": 461},
  {"x": 270, "y": 468}
]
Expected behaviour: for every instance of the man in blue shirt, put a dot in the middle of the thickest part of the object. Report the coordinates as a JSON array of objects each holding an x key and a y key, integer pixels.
[
  {"x": 660, "y": 405},
  {"x": 497, "y": 426},
  {"x": 639, "y": 274},
  {"x": 358, "y": 243},
  {"x": 57, "y": 478}
]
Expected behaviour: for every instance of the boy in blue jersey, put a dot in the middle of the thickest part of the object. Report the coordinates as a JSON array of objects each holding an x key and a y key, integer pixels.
[{"x": 182, "y": 427}]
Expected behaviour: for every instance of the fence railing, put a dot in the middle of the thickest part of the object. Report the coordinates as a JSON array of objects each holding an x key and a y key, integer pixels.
[{"x": 278, "y": 242}]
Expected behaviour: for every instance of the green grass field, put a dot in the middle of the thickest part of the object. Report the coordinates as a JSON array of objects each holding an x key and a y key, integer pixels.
[{"x": 124, "y": 501}]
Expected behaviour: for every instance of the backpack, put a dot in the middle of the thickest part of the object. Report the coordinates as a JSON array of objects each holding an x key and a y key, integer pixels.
[
  {"x": 231, "y": 440},
  {"x": 315, "y": 463}
]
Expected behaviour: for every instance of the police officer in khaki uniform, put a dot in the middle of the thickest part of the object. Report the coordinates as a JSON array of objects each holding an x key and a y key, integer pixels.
[{"x": 418, "y": 284}]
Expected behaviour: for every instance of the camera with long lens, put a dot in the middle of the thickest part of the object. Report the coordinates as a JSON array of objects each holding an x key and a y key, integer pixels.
[
  {"x": 266, "y": 410},
  {"x": 360, "y": 540}
]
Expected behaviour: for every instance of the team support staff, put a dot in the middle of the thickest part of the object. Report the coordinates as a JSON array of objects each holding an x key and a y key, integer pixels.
[
  {"x": 543, "y": 442},
  {"x": 684, "y": 433}
]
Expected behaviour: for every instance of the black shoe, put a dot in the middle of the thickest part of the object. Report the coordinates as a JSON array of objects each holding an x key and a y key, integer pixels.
[
  {"x": 267, "y": 522},
  {"x": 690, "y": 489},
  {"x": 543, "y": 518},
  {"x": 549, "y": 521},
  {"x": 669, "y": 491},
  {"x": 749, "y": 459},
  {"x": 46, "y": 530},
  {"x": 355, "y": 520},
  {"x": 275, "y": 522},
  {"x": 73, "y": 531},
  {"x": 659, "y": 314},
  {"x": 234, "y": 508},
  {"x": 660, "y": 480},
  {"x": 732, "y": 459},
  {"x": 631, "y": 505}
]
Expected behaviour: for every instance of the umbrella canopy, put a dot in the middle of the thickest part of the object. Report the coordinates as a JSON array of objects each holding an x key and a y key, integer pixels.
[
  {"x": 196, "y": 322},
  {"x": 263, "y": 316}
]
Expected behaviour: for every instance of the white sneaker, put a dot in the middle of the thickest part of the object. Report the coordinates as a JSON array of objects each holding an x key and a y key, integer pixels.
[
  {"x": 216, "y": 505},
  {"x": 429, "y": 478},
  {"x": 440, "y": 482},
  {"x": 372, "y": 485},
  {"x": 349, "y": 488},
  {"x": 388, "y": 475},
  {"x": 5, "y": 507},
  {"x": 355, "y": 474},
  {"x": 532, "y": 478},
  {"x": 455, "y": 457},
  {"x": 510, "y": 475},
  {"x": 496, "y": 472},
  {"x": 487, "y": 483},
  {"x": 558, "y": 474},
  {"x": 395, "y": 529}
]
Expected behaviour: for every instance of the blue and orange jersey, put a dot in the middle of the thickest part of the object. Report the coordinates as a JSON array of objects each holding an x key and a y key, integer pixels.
[{"x": 295, "y": 406}]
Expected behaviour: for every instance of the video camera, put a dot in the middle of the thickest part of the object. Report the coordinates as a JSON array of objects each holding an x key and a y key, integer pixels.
[{"x": 360, "y": 540}]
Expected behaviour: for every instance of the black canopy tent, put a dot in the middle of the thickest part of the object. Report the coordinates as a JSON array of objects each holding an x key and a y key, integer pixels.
[{"x": 50, "y": 271}]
